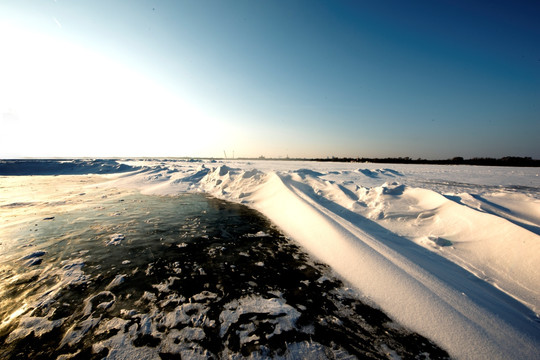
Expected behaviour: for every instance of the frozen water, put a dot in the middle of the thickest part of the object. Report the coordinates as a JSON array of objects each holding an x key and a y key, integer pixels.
[
  {"x": 449, "y": 251},
  {"x": 205, "y": 279}
]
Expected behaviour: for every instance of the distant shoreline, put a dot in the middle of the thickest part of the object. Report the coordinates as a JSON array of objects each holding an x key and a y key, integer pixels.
[
  {"x": 505, "y": 161},
  {"x": 511, "y": 161}
]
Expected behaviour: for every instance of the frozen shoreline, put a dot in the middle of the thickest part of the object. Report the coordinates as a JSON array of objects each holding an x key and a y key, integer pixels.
[
  {"x": 119, "y": 273},
  {"x": 448, "y": 251},
  {"x": 433, "y": 246}
]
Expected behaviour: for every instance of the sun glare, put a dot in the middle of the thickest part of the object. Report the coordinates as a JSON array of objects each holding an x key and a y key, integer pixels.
[{"x": 56, "y": 95}]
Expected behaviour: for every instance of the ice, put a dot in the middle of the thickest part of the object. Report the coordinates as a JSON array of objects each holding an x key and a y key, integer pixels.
[
  {"x": 118, "y": 279},
  {"x": 111, "y": 324},
  {"x": 258, "y": 234},
  {"x": 285, "y": 315},
  {"x": 34, "y": 258},
  {"x": 311, "y": 350},
  {"x": 34, "y": 255},
  {"x": 120, "y": 347},
  {"x": 77, "y": 332},
  {"x": 38, "y": 325},
  {"x": 190, "y": 334},
  {"x": 190, "y": 313},
  {"x": 115, "y": 239},
  {"x": 204, "y": 296},
  {"x": 69, "y": 275},
  {"x": 164, "y": 286},
  {"x": 72, "y": 273},
  {"x": 68, "y": 356},
  {"x": 103, "y": 300}
]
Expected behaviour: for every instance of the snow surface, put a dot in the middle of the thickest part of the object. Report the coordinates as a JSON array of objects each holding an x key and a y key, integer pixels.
[{"x": 452, "y": 252}]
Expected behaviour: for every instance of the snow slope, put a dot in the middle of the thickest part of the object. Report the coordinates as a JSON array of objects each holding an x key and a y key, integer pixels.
[
  {"x": 61, "y": 167},
  {"x": 452, "y": 252}
]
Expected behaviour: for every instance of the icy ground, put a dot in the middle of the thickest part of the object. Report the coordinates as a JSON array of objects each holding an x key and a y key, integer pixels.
[
  {"x": 119, "y": 275},
  {"x": 452, "y": 252}
]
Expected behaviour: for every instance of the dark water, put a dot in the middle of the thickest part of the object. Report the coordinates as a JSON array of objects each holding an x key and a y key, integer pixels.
[{"x": 152, "y": 277}]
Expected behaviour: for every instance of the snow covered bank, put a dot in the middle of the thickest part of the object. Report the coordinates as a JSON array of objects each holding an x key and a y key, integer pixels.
[
  {"x": 451, "y": 252},
  {"x": 61, "y": 167}
]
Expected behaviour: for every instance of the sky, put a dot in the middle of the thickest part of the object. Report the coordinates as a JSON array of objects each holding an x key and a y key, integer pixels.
[{"x": 423, "y": 79}]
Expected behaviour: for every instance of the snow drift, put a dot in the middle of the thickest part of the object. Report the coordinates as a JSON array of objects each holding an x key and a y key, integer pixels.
[{"x": 61, "y": 167}]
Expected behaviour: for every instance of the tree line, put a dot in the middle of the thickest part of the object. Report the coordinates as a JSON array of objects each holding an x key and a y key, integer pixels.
[{"x": 458, "y": 160}]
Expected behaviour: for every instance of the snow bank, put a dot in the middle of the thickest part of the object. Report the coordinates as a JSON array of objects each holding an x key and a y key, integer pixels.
[
  {"x": 62, "y": 167},
  {"x": 449, "y": 259}
]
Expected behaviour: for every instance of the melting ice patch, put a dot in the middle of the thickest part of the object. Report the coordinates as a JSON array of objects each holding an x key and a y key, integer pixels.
[
  {"x": 282, "y": 316},
  {"x": 115, "y": 239}
]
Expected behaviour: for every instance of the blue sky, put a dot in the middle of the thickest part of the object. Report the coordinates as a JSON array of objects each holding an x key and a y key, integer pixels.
[{"x": 430, "y": 79}]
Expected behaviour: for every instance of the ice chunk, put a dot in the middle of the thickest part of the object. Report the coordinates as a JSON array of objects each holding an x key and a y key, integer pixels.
[
  {"x": 38, "y": 325},
  {"x": 115, "y": 239},
  {"x": 118, "y": 279},
  {"x": 281, "y": 315}
]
